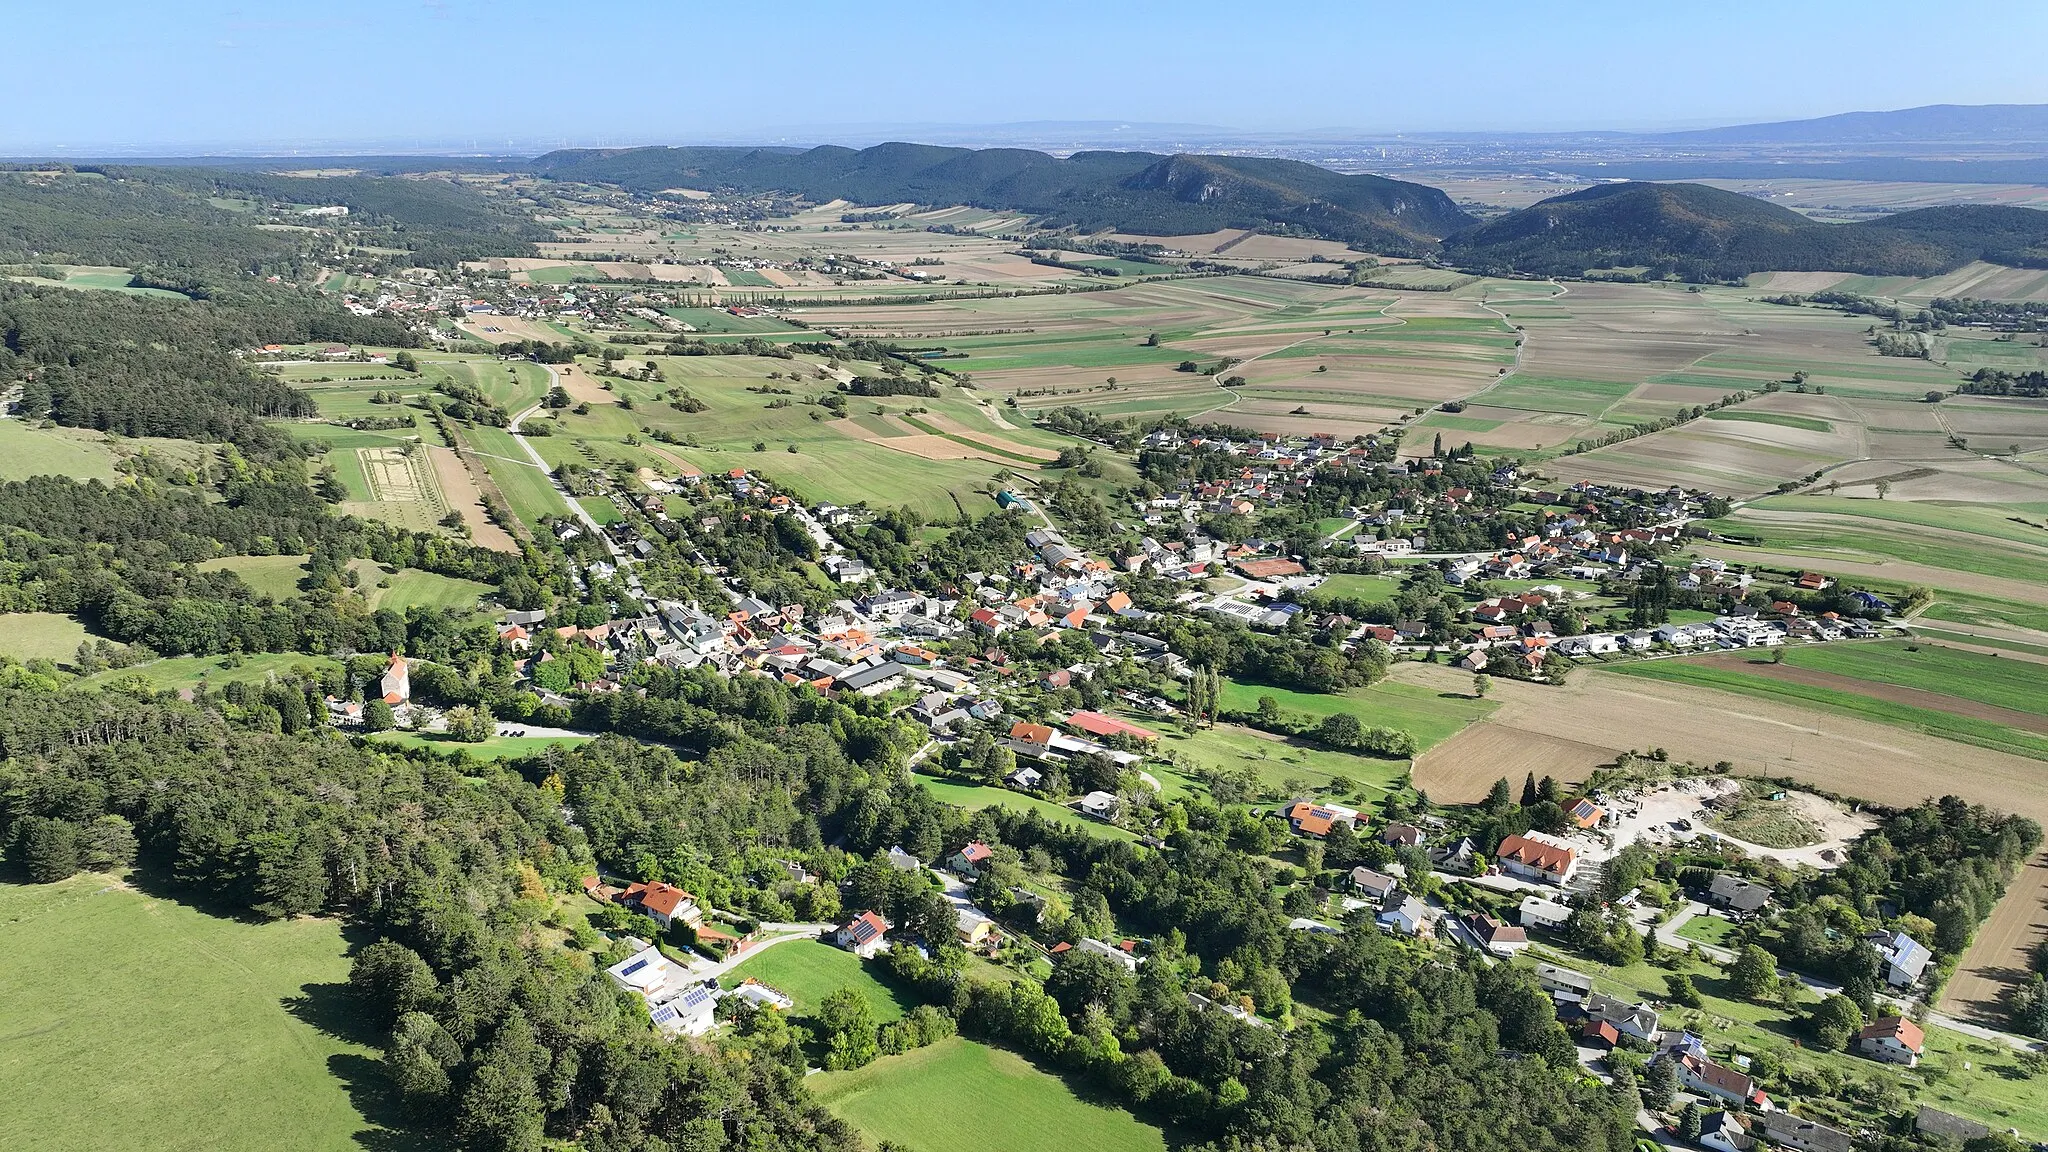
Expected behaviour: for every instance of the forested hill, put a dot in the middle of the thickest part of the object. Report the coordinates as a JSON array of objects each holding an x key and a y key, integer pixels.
[
  {"x": 209, "y": 221},
  {"x": 1139, "y": 192},
  {"x": 1696, "y": 232}
]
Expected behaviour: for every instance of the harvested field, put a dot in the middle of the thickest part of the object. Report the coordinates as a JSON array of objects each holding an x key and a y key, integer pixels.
[
  {"x": 1999, "y": 957},
  {"x": 1896, "y": 571},
  {"x": 1467, "y": 764},
  {"x": 1839, "y": 754},
  {"x": 463, "y": 495},
  {"x": 921, "y": 444}
]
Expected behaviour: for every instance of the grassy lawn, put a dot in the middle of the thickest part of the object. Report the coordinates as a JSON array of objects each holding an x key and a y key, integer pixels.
[
  {"x": 411, "y": 587},
  {"x": 1276, "y": 761},
  {"x": 40, "y": 636},
  {"x": 1431, "y": 716},
  {"x": 1734, "y": 678},
  {"x": 959, "y": 1094},
  {"x": 807, "y": 971},
  {"x": 495, "y": 748},
  {"x": 274, "y": 576},
  {"x": 1707, "y": 930},
  {"x": 1353, "y": 586},
  {"x": 26, "y": 452},
  {"x": 975, "y": 797},
  {"x": 1992, "y": 1089},
  {"x": 186, "y": 1031},
  {"x": 186, "y": 671}
]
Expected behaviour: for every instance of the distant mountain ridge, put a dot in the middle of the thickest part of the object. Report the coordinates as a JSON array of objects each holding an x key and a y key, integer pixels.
[
  {"x": 1932, "y": 123},
  {"x": 1138, "y": 192},
  {"x": 1698, "y": 232}
]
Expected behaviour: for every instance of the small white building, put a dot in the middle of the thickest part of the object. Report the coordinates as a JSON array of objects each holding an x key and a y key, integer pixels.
[{"x": 1537, "y": 912}]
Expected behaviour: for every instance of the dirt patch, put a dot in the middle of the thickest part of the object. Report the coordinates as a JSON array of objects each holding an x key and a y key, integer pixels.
[
  {"x": 583, "y": 387},
  {"x": 1894, "y": 693},
  {"x": 465, "y": 497},
  {"x": 1465, "y": 766},
  {"x": 505, "y": 329}
]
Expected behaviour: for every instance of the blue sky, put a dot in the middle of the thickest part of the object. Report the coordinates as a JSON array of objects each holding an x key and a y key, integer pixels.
[{"x": 488, "y": 73}]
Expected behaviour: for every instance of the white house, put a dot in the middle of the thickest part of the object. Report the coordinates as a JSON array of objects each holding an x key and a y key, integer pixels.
[
  {"x": 1411, "y": 917},
  {"x": 1893, "y": 1040},
  {"x": 1904, "y": 957},
  {"x": 1537, "y": 912},
  {"x": 1110, "y": 952},
  {"x": 1100, "y": 805}
]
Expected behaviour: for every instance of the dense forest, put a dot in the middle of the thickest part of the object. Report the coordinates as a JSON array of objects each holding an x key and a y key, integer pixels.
[
  {"x": 1127, "y": 191},
  {"x": 1695, "y": 232}
]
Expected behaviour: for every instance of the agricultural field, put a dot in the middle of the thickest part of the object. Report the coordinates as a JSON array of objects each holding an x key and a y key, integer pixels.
[
  {"x": 230, "y": 1034},
  {"x": 40, "y": 636},
  {"x": 960, "y": 1094},
  {"x": 1602, "y": 713},
  {"x": 944, "y": 456},
  {"x": 1954, "y": 714},
  {"x": 807, "y": 971}
]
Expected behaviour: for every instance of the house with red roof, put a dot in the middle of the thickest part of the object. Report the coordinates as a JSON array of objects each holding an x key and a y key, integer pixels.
[
  {"x": 862, "y": 935},
  {"x": 1537, "y": 859},
  {"x": 663, "y": 903},
  {"x": 1892, "y": 1039},
  {"x": 1102, "y": 724},
  {"x": 970, "y": 859}
]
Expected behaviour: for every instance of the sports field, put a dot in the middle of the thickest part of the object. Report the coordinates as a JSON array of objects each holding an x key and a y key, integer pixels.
[
  {"x": 959, "y": 1094},
  {"x": 807, "y": 971},
  {"x": 136, "y": 1022}
]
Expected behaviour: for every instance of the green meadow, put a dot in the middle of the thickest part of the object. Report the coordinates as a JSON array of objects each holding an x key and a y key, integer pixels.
[
  {"x": 134, "y": 1021},
  {"x": 958, "y": 1094}
]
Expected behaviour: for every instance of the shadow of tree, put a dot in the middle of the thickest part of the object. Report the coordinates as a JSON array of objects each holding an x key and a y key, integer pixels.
[
  {"x": 331, "y": 1009},
  {"x": 377, "y": 1102}
]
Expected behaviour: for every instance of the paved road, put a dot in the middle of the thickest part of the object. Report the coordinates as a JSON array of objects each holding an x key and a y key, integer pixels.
[{"x": 772, "y": 934}]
